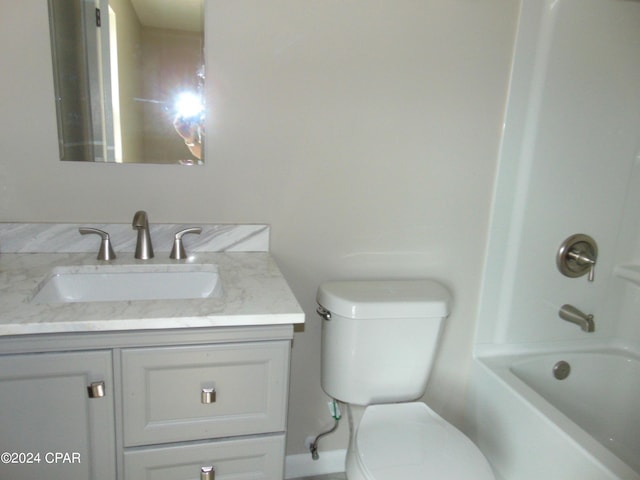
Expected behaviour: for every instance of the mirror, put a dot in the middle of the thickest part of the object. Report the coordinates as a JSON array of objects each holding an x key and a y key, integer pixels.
[{"x": 129, "y": 80}]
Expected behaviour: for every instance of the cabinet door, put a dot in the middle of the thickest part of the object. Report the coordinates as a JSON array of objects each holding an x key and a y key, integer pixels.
[
  {"x": 49, "y": 426},
  {"x": 165, "y": 391}
]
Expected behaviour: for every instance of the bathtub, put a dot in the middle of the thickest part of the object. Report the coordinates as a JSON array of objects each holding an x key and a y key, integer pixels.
[{"x": 531, "y": 425}]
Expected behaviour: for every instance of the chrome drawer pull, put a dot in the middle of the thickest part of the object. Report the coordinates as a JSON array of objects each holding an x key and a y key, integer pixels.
[
  {"x": 96, "y": 390},
  {"x": 208, "y": 395},
  {"x": 207, "y": 473}
]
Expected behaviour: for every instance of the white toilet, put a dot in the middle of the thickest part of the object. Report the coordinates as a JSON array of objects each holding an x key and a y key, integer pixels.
[{"x": 378, "y": 343}]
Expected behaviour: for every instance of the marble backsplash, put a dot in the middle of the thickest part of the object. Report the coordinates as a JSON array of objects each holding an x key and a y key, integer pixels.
[{"x": 65, "y": 238}]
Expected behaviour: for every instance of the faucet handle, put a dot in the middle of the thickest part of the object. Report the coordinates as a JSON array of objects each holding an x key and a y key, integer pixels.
[
  {"x": 583, "y": 260},
  {"x": 178, "y": 252},
  {"x": 577, "y": 256},
  {"x": 106, "y": 251}
]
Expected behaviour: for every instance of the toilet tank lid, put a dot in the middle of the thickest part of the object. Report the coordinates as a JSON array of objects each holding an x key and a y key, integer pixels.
[{"x": 385, "y": 298}]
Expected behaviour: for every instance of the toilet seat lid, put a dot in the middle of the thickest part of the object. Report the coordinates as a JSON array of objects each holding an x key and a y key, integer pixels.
[{"x": 410, "y": 441}]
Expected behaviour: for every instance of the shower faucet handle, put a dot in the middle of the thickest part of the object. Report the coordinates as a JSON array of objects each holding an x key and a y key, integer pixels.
[
  {"x": 577, "y": 256},
  {"x": 583, "y": 259}
]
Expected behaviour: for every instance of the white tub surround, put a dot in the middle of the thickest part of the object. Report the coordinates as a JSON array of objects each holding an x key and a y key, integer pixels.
[{"x": 568, "y": 165}]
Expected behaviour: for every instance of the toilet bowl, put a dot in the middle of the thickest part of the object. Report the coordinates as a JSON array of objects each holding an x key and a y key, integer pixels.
[
  {"x": 409, "y": 441},
  {"x": 378, "y": 343}
]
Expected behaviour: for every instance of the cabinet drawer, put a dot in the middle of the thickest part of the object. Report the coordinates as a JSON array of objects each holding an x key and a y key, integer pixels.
[
  {"x": 238, "y": 459},
  {"x": 165, "y": 391}
]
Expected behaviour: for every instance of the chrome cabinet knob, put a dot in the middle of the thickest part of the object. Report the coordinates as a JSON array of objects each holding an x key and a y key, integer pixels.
[
  {"x": 207, "y": 473},
  {"x": 207, "y": 396},
  {"x": 96, "y": 390}
]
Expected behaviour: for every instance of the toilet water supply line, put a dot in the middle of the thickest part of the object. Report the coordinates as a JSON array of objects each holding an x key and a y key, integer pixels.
[{"x": 334, "y": 410}]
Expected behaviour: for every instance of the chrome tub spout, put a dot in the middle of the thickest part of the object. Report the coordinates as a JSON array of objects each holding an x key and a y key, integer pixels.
[{"x": 572, "y": 314}]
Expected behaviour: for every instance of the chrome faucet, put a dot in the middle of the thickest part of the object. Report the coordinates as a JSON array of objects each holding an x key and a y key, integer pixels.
[
  {"x": 573, "y": 315},
  {"x": 144, "y": 249}
]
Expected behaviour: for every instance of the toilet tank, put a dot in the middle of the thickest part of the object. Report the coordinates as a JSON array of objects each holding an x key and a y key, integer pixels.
[{"x": 379, "y": 338}]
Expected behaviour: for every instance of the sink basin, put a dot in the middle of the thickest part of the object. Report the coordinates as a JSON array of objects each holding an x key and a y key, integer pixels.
[{"x": 113, "y": 283}]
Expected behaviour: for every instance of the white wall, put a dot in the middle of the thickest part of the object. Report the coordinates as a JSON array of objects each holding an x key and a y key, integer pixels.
[
  {"x": 365, "y": 132},
  {"x": 569, "y": 164}
]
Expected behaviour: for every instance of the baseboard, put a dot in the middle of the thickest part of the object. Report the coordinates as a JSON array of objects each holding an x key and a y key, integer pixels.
[{"x": 302, "y": 465}]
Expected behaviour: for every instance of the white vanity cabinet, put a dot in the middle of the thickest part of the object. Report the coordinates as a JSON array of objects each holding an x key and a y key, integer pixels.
[
  {"x": 51, "y": 424},
  {"x": 199, "y": 404},
  {"x": 173, "y": 388}
]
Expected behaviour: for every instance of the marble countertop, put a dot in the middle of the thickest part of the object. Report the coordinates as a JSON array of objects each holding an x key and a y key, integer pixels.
[{"x": 254, "y": 293}]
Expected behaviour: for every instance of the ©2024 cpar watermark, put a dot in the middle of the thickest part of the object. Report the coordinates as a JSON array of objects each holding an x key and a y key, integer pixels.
[{"x": 29, "y": 458}]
